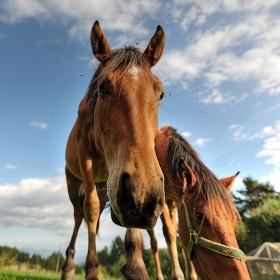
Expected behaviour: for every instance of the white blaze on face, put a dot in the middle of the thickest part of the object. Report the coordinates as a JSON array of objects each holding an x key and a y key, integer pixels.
[{"x": 133, "y": 70}]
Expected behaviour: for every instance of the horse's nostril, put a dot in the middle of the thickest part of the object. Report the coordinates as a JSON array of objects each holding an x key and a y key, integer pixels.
[
  {"x": 125, "y": 179},
  {"x": 126, "y": 188}
]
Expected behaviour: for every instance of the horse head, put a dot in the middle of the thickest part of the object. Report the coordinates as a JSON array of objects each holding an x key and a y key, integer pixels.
[{"x": 125, "y": 99}]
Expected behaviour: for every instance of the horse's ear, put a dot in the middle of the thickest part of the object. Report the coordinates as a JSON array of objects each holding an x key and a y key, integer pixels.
[
  {"x": 227, "y": 182},
  {"x": 155, "y": 48},
  {"x": 100, "y": 46},
  {"x": 186, "y": 174}
]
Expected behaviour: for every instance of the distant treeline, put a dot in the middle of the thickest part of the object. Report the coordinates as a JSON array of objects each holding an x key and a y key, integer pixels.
[
  {"x": 111, "y": 260},
  {"x": 12, "y": 256}
]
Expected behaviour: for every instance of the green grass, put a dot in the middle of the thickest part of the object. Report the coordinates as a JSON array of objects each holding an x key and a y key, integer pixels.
[{"x": 20, "y": 275}]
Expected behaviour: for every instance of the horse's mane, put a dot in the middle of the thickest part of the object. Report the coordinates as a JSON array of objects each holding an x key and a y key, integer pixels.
[
  {"x": 208, "y": 184},
  {"x": 126, "y": 56}
]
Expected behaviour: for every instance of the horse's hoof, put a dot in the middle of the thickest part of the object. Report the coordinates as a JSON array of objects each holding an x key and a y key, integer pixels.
[{"x": 68, "y": 275}]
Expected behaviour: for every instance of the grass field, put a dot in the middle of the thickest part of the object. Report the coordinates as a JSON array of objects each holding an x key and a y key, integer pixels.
[{"x": 20, "y": 275}]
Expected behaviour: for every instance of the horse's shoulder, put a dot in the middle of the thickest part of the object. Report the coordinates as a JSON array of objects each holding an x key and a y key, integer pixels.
[{"x": 84, "y": 120}]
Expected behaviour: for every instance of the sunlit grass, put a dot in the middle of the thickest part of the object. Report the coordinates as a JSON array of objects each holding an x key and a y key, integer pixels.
[{"x": 6, "y": 274}]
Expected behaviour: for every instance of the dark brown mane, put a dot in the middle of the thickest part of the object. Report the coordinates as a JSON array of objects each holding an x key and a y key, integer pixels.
[
  {"x": 126, "y": 56},
  {"x": 209, "y": 185}
]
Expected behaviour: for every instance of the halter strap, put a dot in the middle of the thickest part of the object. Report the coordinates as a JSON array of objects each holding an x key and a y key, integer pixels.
[{"x": 221, "y": 249}]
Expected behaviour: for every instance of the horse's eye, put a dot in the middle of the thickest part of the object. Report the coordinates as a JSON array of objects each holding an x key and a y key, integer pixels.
[
  {"x": 161, "y": 96},
  {"x": 102, "y": 88},
  {"x": 199, "y": 216}
]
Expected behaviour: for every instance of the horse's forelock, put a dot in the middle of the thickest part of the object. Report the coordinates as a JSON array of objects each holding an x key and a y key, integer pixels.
[
  {"x": 127, "y": 56},
  {"x": 208, "y": 184}
]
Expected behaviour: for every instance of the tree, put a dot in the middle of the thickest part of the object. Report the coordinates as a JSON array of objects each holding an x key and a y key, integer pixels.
[
  {"x": 103, "y": 256},
  {"x": 36, "y": 259},
  {"x": 264, "y": 223},
  {"x": 22, "y": 257},
  {"x": 51, "y": 261},
  {"x": 112, "y": 260},
  {"x": 253, "y": 196},
  {"x": 259, "y": 207},
  {"x": 117, "y": 250}
]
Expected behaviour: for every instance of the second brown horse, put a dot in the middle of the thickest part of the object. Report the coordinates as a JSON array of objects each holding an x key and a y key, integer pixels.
[{"x": 211, "y": 215}]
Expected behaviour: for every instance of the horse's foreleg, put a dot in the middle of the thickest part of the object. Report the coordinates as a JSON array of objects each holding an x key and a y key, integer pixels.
[
  {"x": 155, "y": 249},
  {"x": 68, "y": 269},
  {"x": 169, "y": 224},
  {"x": 91, "y": 208},
  {"x": 135, "y": 268},
  {"x": 92, "y": 213},
  {"x": 73, "y": 185}
]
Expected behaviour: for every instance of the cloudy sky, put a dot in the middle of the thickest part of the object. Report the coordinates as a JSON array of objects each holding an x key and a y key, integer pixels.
[{"x": 221, "y": 73}]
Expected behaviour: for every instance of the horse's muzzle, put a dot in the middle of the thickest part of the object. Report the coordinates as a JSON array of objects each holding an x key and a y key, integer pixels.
[{"x": 139, "y": 208}]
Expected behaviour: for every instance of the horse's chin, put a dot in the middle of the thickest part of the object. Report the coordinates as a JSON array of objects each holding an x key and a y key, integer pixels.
[
  {"x": 132, "y": 222},
  {"x": 136, "y": 202},
  {"x": 115, "y": 218}
]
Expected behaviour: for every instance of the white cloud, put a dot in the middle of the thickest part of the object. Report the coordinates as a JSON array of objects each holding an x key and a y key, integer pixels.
[
  {"x": 215, "y": 79},
  {"x": 237, "y": 185},
  {"x": 36, "y": 214},
  {"x": 41, "y": 203},
  {"x": 271, "y": 147},
  {"x": 240, "y": 134},
  {"x": 232, "y": 52},
  {"x": 238, "y": 131},
  {"x": 10, "y": 166},
  {"x": 274, "y": 107},
  {"x": 210, "y": 7},
  {"x": 186, "y": 134},
  {"x": 217, "y": 97},
  {"x": 38, "y": 125},
  {"x": 120, "y": 15},
  {"x": 188, "y": 17},
  {"x": 36, "y": 202},
  {"x": 202, "y": 141},
  {"x": 273, "y": 178},
  {"x": 211, "y": 53}
]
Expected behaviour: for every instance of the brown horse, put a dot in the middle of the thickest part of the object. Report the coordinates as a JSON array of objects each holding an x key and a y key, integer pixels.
[
  {"x": 206, "y": 213},
  {"x": 112, "y": 143}
]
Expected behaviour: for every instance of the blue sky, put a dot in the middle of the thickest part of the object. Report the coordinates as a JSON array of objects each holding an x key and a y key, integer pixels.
[{"x": 220, "y": 70}]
